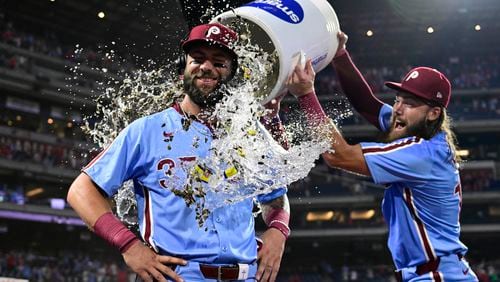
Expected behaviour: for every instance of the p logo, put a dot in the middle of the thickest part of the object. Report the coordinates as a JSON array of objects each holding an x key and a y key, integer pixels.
[
  {"x": 412, "y": 75},
  {"x": 212, "y": 30}
]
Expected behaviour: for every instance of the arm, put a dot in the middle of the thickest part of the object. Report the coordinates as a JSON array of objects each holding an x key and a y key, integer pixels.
[
  {"x": 95, "y": 211},
  {"x": 343, "y": 155},
  {"x": 355, "y": 87},
  {"x": 85, "y": 198},
  {"x": 276, "y": 215},
  {"x": 273, "y": 123}
]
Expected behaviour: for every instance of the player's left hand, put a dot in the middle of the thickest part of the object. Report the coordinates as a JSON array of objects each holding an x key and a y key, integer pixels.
[{"x": 270, "y": 255}]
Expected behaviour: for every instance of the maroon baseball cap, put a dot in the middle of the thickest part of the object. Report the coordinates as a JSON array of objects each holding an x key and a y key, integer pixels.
[
  {"x": 426, "y": 83},
  {"x": 213, "y": 33}
]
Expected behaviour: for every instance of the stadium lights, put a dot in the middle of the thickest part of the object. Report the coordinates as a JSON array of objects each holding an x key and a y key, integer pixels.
[
  {"x": 463, "y": 153},
  {"x": 430, "y": 29},
  {"x": 369, "y": 33},
  {"x": 34, "y": 192},
  {"x": 364, "y": 214},
  {"x": 320, "y": 216},
  {"x": 477, "y": 27},
  {"x": 494, "y": 211},
  {"x": 101, "y": 15}
]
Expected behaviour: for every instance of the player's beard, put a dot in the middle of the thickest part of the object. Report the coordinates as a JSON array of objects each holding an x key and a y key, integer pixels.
[
  {"x": 419, "y": 129},
  {"x": 200, "y": 98}
]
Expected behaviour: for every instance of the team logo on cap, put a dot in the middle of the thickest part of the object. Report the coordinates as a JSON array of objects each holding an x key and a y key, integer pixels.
[
  {"x": 412, "y": 75},
  {"x": 439, "y": 95},
  {"x": 212, "y": 30}
]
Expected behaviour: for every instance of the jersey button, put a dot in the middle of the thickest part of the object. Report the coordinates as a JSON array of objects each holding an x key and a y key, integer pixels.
[
  {"x": 218, "y": 219},
  {"x": 224, "y": 249}
]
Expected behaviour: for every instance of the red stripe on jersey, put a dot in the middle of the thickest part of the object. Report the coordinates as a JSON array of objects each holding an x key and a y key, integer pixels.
[
  {"x": 420, "y": 225},
  {"x": 96, "y": 158},
  {"x": 391, "y": 146},
  {"x": 436, "y": 276},
  {"x": 147, "y": 217}
]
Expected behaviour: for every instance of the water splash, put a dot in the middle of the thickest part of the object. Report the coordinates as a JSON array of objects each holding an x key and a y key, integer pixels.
[
  {"x": 140, "y": 94},
  {"x": 244, "y": 159}
]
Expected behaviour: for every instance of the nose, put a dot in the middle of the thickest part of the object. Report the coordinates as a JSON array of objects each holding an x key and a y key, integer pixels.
[
  {"x": 398, "y": 107},
  {"x": 207, "y": 66}
]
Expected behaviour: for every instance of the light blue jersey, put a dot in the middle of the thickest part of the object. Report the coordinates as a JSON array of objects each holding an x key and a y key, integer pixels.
[
  {"x": 151, "y": 151},
  {"x": 423, "y": 200}
]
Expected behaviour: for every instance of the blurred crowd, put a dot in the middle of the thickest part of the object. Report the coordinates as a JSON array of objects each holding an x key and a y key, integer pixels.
[
  {"x": 49, "y": 44},
  {"x": 70, "y": 266},
  {"x": 481, "y": 72},
  {"x": 47, "y": 155},
  {"x": 75, "y": 266}
]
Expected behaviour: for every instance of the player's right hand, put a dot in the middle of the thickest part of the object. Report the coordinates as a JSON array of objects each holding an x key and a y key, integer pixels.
[
  {"x": 151, "y": 266},
  {"x": 301, "y": 81}
]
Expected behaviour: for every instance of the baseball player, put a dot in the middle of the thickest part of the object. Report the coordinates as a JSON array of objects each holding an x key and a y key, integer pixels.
[
  {"x": 151, "y": 151},
  {"x": 417, "y": 162}
]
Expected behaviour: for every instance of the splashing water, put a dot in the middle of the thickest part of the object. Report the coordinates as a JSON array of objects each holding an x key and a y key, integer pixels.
[
  {"x": 244, "y": 160},
  {"x": 142, "y": 94}
]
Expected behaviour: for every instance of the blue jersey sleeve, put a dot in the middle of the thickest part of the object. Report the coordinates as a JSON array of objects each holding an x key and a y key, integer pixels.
[
  {"x": 404, "y": 160},
  {"x": 384, "y": 117},
  {"x": 276, "y": 193},
  {"x": 118, "y": 162}
]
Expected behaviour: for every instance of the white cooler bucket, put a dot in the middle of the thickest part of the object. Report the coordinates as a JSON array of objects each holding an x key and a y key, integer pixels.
[{"x": 289, "y": 27}]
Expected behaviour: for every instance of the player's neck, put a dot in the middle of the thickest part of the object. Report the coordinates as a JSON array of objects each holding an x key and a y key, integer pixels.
[{"x": 189, "y": 107}]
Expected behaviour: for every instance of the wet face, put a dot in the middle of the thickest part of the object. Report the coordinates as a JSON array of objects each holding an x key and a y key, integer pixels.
[
  {"x": 207, "y": 67},
  {"x": 410, "y": 116}
]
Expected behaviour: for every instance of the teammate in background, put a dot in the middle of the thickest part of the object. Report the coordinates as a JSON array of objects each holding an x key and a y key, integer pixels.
[
  {"x": 417, "y": 162},
  {"x": 175, "y": 247}
]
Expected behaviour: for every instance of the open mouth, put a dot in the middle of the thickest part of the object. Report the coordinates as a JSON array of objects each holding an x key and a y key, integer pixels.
[{"x": 399, "y": 125}]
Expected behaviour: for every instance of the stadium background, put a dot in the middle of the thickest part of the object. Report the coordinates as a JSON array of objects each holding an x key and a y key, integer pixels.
[{"x": 338, "y": 232}]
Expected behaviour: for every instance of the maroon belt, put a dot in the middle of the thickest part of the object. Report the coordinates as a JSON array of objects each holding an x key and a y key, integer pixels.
[
  {"x": 223, "y": 272},
  {"x": 427, "y": 267}
]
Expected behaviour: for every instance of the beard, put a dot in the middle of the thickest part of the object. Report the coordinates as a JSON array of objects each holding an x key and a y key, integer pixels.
[
  {"x": 419, "y": 129},
  {"x": 200, "y": 98}
]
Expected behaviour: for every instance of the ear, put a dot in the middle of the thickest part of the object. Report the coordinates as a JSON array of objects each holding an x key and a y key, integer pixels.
[{"x": 434, "y": 113}]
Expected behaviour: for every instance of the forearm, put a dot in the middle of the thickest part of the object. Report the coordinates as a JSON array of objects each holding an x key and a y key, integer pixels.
[
  {"x": 276, "y": 214},
  {"x": 356, "y": 89},
  {"x": 342, "y": 155},
  {"x": 277, "y": 130}
]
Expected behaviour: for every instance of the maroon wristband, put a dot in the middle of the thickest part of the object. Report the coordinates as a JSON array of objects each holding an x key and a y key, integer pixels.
[
  {"x": 310, "y": 105},
  {"x": 114, "y": 232},
  {"x": 281, "y": 226},
  {"x": 279, "y": 219},
  {"x": 340, "y": 53}
]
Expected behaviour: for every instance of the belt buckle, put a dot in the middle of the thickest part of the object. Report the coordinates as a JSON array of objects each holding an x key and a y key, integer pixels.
[{"x": 219, "y": 273}]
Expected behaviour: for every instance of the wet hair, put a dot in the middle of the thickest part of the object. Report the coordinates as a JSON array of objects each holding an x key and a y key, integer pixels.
[{"x": 442, "y": 124}]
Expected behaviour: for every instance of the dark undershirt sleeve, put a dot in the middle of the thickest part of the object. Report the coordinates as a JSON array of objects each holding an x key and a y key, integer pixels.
[{"x": 356, "y": 89}]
